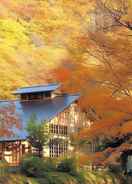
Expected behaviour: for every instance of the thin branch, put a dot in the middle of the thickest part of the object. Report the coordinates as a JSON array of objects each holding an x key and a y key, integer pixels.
[{"x": 117, "y": 14}]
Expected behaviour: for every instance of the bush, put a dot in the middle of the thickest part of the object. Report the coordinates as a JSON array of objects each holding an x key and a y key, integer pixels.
[
  {"x": 32, "y": 166},
  {"x": 56, "y": 178},
  {"x": 49, "y": 165},
  {"x": 80, "y": 177},
  {"x": 36, "y": 167},
  {"x": 46, "y": 171},
  {"x": 68, "y": 165},
  {"x": 116, "y": 169}
]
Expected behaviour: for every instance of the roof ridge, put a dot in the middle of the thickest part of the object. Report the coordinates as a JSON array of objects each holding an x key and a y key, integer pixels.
[
  {"x": 48, "y": 84},
  {"x": 72, "y": 94},
  {"x": 9, "y": 100}
]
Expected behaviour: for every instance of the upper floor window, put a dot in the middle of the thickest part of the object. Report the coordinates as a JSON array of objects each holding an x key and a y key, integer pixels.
[
  {"x": 47, "y": 94},
  {"x": 58, "y": 129},
  {"x": 36, "y": 96}
]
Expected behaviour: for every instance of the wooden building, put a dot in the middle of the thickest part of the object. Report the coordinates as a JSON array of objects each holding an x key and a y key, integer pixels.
[{"x": 59, "y": 110}]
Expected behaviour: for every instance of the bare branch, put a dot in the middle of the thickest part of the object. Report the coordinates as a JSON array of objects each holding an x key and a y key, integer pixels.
[{"x": 115, "y": 14}]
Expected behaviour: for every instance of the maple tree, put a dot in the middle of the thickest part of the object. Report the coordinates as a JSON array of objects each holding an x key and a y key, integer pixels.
[
  {"x": 99, "y": 65},
  {"x": 120, "y": 12},
  {"x": 9, "y": 119},
  {"x": 88, "y": 46}
]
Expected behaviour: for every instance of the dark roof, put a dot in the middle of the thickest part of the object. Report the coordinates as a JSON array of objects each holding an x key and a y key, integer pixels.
[
  {"x": 35, "y": 89},
  {"x": 44, "y": 110}
]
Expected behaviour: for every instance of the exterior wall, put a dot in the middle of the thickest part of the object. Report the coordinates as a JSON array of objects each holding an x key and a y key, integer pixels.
[
  {"x": 59, "y": 129},
  {"x": 12, "y": 152},
  {"x": 69, "y": 121}
]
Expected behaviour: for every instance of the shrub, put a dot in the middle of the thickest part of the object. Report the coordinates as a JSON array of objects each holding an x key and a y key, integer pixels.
[
  {"x": 49, "y": 165},
  {"x": 68, "y": 165},
  {"x": 32, "y": 166},
  {"x": 36, "y": 167},
  {"x": 116, "y": 169},
  {"x": 80, "y": 177},
  {"x": 46, "y": 171},
  {"x": 57, "y": 178}
]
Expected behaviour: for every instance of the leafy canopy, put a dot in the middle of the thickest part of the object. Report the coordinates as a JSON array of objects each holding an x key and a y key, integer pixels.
[{"x": 38, "y": 133}]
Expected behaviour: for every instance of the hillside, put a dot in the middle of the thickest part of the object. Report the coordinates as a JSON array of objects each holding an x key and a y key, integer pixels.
[{"x": 33, "y": 39}]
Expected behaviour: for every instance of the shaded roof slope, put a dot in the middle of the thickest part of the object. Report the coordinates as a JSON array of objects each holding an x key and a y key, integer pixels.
[{"x": 44, "y": 110}]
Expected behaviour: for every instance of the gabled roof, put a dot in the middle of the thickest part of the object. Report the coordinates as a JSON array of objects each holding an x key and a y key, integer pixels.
[
  {"x": 44, "y": 110},
  {"x": 36, "y": 89}
]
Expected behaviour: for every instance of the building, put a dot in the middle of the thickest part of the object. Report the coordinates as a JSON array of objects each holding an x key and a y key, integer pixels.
[{"x": 48, "y": 104}]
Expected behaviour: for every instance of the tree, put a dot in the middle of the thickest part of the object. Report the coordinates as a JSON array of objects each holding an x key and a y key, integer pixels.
[
  {"x": 99, "y": 65},
  {"x": 96, "y": 63},
  {"x": 38, "y": 134},
  {"x": 8, "y": 119},
  {"x": 120, "y": 12},
  {"x": 110, "y": 98}
]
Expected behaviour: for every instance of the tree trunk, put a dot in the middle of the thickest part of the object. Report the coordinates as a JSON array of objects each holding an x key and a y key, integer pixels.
[{"x": 40, "y": 152}]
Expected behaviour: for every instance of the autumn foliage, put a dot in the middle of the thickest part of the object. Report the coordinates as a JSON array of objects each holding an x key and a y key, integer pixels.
[
  {"x": 8, "y": 119},
  {"x": 101, "y": 70},
  {"x": 86, "y": 45}
]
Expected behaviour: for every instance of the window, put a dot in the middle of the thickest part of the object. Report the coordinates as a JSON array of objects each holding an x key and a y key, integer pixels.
[
  {"x": 36, "y": 96},
  {"x": 58, "y": 148},
  {"x": 24, "y": 97},
  {"x": 8, "y": 146},
  {"x": 47, "y": 94},
  {"x": 59, "y": 129}
]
